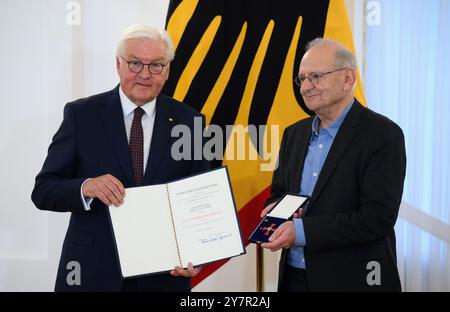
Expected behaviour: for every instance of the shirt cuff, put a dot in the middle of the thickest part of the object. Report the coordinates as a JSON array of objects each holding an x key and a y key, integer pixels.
[
  {"x": 299, "y": 233},
  {"x": 86, "y": 201}
]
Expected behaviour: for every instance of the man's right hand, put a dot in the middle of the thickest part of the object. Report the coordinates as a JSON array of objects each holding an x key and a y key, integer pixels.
[{"x": 106, "y": 188}]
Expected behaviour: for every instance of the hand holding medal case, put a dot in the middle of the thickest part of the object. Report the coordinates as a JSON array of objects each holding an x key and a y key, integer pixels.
[{"x": 281, "y": 212}]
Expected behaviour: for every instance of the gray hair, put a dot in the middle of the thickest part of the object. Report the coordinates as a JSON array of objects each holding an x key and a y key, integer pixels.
[
  {"x": 344, "y": 58},
  {"x": 140, "y": 31}
]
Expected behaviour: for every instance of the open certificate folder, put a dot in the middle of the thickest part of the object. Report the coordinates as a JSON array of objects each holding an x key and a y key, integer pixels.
[{"x": 190, "y": 220}]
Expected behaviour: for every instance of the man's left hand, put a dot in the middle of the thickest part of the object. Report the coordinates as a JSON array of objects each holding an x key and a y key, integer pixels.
[
  {"x": 283, "y": 237},
  {"x": 189, "y": 272}
]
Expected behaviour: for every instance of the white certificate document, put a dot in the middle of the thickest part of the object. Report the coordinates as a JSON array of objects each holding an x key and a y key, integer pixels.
[
  {"x": 143, "y": 232},
  {"x": 189, "y": 220},
  {"x": 205, "y": 219}
]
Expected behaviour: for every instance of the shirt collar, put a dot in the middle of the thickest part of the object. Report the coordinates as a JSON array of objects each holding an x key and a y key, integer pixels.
[
  {"x": 128, "y": 106},
  {"x": 334, "y": 127}
]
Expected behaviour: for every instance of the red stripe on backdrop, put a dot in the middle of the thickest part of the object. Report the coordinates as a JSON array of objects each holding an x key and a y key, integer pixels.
[{"x": 248, "y": 219}]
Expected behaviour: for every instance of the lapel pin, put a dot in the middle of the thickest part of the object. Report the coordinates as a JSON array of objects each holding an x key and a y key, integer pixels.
[{"x": 170, "y": 119}]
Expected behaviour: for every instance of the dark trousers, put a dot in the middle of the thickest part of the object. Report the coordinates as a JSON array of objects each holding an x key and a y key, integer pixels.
[
  {"x": 130, "y": 285},
  {"x": 294, "y": 280},
  {"x": 157, "y": 283}
]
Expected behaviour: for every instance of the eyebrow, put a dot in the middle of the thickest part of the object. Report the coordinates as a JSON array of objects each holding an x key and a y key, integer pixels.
[
  {"x": 308, "y": 73},
  {"x": 311, "y": 72},
  {"x": 160, "y": 59}
]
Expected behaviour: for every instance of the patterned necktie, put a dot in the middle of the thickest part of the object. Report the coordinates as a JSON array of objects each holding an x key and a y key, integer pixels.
[{"x": 137, "y": 146}]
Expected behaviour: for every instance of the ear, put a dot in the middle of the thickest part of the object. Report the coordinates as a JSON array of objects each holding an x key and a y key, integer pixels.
[
  {"x": 167, "y": 71},
  {"x": 350, "y": 78},
  {"x": 117, "y": 64}
]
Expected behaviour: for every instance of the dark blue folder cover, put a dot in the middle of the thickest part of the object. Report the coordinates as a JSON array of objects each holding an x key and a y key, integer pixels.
[{"x": 265, "y": 229}]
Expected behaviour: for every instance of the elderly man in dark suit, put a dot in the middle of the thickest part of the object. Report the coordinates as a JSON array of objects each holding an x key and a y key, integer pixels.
[
  {"x": 351, "y": 162},
  {"x": 107, "y": 142}
]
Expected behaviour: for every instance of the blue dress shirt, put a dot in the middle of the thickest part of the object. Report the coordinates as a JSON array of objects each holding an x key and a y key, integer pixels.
[{"x": 319, "y": 146}]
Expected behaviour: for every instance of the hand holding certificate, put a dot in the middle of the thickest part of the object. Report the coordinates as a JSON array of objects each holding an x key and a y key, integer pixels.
[{"x": 163, "y": 226}]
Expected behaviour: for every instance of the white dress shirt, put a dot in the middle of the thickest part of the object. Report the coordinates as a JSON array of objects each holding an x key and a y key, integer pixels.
[{"x": 148, "y": 121}]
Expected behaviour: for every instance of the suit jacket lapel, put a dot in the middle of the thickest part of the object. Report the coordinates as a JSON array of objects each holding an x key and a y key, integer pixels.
[
  {"x": 162, "y": 128},
  {"x": 343, "y": 139},
  {"x": 300, "y": 155},
  {"x": 112, "y": 116}
]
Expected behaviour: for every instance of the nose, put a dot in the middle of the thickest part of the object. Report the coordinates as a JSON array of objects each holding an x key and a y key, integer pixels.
[
  {"x": 145, "y": 73},
  {"x": 306, "y": 86}
]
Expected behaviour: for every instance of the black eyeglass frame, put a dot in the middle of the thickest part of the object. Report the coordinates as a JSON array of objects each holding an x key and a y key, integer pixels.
[
  {"x": 159, "y": 68},
  {"x": 315, "y": 77}
]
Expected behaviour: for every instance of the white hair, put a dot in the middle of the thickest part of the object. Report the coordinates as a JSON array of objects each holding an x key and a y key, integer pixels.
[
  {"x": 140, "y": 31},
  {"x": 344, "y": 57}
]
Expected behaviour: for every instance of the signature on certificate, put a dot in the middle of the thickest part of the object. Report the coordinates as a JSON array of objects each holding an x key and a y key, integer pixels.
[{"x": 214, "y": 237}]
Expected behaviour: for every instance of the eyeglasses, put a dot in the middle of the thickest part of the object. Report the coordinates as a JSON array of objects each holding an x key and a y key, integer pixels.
[
  {"x": 313, "y": 77},
  {"x": 137, "y": 66}
]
